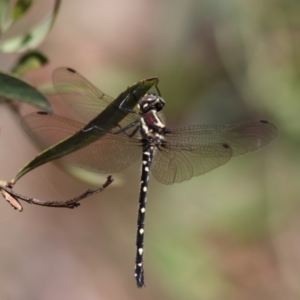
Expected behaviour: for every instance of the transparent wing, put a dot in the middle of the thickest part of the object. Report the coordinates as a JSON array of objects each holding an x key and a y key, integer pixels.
[
  {"x": 175, "y": 164},
  {"x": 81, "y": 96},
  {"x": 242, "y": 138},
  {"x": 48, "y": 129},
  {"x": 111, "y": 153},
  {"x": 193, "y": 150}
]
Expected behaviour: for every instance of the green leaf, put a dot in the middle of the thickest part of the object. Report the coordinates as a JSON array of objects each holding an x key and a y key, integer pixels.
[
  {"x": 34, "y": 37},
  {"x": 15, "y": 89},
  {"x": 89, "y": 177},
  {"x": 21, "y": 8},
  {"x": 3, "y": 12},
  {"x": 28, "y": 62}
]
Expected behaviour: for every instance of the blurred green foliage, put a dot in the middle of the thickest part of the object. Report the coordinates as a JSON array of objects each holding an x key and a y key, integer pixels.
[
  {"x": 32, "y": 38},
  {"x": 12, "y": 88}
]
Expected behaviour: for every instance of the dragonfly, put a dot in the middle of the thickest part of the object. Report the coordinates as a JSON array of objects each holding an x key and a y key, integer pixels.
[{"x": 172, "y": 155}]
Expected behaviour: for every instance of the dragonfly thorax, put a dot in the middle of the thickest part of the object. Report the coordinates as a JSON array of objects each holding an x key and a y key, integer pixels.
[{"x": 151, "y": 102}]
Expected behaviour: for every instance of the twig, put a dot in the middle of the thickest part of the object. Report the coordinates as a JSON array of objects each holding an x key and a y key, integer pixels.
[{"x": 13, "y": 198}]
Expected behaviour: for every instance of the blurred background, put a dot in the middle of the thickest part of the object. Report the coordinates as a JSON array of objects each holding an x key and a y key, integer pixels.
[{"x": 233, "y": 233}]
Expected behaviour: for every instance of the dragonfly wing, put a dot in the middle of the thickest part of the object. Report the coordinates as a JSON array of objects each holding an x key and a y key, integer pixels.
[
  {"x": 111, "y": 153},
  {"x": 81, "y": 96},
  {"x": 47, "y": 129},
  {"x": 242, "y": 138},
  {"x": 176, "y": 163},
  {"x": 193, "y": 150}
]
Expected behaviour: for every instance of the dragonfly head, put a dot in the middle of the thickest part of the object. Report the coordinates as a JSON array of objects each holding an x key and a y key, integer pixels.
[{"x": 151, "y": 102}]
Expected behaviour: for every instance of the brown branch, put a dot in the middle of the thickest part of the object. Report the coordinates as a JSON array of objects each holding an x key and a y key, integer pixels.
[{"x": 13, "y": 198}]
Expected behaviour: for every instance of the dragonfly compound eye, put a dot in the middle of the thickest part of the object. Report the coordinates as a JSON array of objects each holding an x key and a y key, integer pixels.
[{"x": 151, "y": 102}]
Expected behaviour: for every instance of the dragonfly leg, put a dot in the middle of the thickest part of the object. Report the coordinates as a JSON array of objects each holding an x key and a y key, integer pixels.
[
  {"x": 123, "y": 103},
  {"x": 90, "y": 128},
  {"x": 157, "y": 89},
  {"x": 124, "y": 129}
]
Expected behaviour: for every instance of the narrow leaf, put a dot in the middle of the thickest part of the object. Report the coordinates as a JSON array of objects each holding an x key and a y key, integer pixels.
[
  {"x": 88, "y": 177},
  {"x": 77, "y": 137},
  {"x": 14, "y": 202},
  {"x": 28, "y": 62},
  {"x": 15, "y": 89},
  {"x": 21, "y": 8},
  {"x": 34, "y": 37}
]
